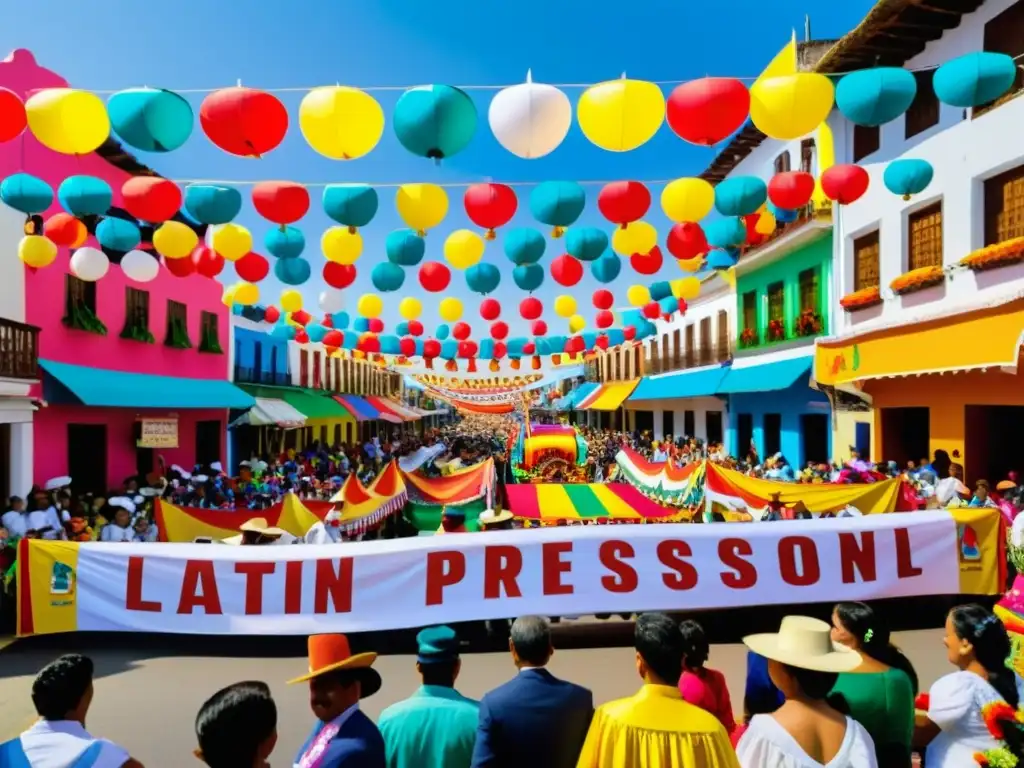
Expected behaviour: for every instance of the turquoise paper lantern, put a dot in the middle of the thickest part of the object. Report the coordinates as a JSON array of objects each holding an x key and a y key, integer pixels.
[
  {"x": 589, "y": 339},
  {"x": 405, "y": 248},
  {"x": 908, "y": 177},
  {"x": 974, "y": 79},
  {"x": 615, "y": 336},
  {"x": 606, "y": 268},
  {"x": 351, "y": 341},
  {"x": 211, "y": 203},
  {"x": 524, "y": 246},
  {"x": 341, "y": 320},
  {"x": 668, "y": 305},
  {"x": 402, "y": 329},
  {"x": 390, "y": 344},
  {"x": 721, "y": 258},
  {"x": 483, "y": 278},
  {"x": 316, "y": 332},
  {"x": 285, "y": 242},
  {"x": 660, "y": 290},
  {"x": 282, "y": 330},
  {"x": 150, "y": 119},
  {"x": 387, "y": 277},
  {"x": 725, "y": 233},
  {"x": 26, "y": 193},
  {"x": 740, "y": 196},
  {"x": 292, "y": 271},
  {"x": 516, "y": 345},
  {"x": 782, "y": 215},
  {"x": 449, "y": 349},
  {"x": 528, "y": 277},
  {"x": 435, "y": 121},
  {"x": 118, "y": 234},
  {"x": 873, "y": 97},
  {"x": 486, "y": 349},
  {"x": 361, "y": 325},
  {"x": 442, "y": 332},
  {"x": 586, "y": 243},
  {"x": 557, "y": 204},
  {"x": 351, "y": 205},
  {"x": 85, "y": 196}
]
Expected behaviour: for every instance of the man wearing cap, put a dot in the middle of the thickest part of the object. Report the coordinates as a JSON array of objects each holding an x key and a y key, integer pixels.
[{"x": 436, "y": 726}]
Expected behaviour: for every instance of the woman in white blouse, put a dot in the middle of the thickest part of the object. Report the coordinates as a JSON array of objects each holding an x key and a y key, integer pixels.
[
  {"x": 805, "y": 732},
  {"x": 120, "y": 528}
]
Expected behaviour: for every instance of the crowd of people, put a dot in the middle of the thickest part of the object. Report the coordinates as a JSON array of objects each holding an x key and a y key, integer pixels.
[{"x": 816, "y": 694}]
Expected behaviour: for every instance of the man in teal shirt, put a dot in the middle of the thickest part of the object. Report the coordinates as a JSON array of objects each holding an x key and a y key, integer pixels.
[{"x": 436, "y": 726}]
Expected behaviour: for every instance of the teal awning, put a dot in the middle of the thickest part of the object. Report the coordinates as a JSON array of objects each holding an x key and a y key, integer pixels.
[
  {"x": 120, "y": 389},
  {"x": 769, "y": 377},
  {"x": 580, "y": 394},
  {"x": 696, "y": 383}
]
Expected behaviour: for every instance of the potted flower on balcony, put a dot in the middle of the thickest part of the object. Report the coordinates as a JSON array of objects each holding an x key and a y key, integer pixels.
[
  {"x": 748, "y": 338},
  {"x": 862, "y": 299},
  {"x": 994, "y": 256},
  {"x": 776, "y": 330},
  {"x": 917, "y": 280},
  {"x": 808, "y": 323}
]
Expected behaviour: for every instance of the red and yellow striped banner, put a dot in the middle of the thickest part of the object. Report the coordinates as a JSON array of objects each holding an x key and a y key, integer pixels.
[{"x": 562, "y": 501}]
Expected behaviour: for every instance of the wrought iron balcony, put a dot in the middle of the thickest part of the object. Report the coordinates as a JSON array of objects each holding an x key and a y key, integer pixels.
[{"x": 19, "y": 350}]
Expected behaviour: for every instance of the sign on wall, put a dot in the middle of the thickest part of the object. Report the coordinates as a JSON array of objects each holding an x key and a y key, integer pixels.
[{"x": 158, "y": 433}]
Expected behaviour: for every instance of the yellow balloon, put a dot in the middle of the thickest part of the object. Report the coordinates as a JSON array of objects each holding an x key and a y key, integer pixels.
[
  {"x": 463, "y": 248},
  {"x": 341, "y": 245},
  {"x": 246, "y": 294},
  {"x": 421, "y": 206},
  {"x": 638, "y": 295},
  {"x": 228, "y": 297},
  {"x": 577, "y": 323},
  {"x": 37, "y": 251},
  {"x": 450, "y": 309},
  {"x": 565, "y": 305},
  {"x": 691, "y": 265},
  {"x": 340, "y": 122},
  {"x": 688, "y": 199},
  {"x": 765, "y": 223},
  {"x": 291, "y": 300},
  {"x": 621, "y": 115},
  {"x": 410, "y": 308},
  {"x": 67, "y": 120},
  {"x": 174, "y": 240},
  {"x": 370, "y": 305},
  {"x": 638, "y": 237},
  {"x": 689, "y": 288},
  {"x": 791, "y": 106},
  {"x": 232, "y": 241}
]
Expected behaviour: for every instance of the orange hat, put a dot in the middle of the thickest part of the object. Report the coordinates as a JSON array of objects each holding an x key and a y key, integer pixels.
[{"x": 331, "y": 653}]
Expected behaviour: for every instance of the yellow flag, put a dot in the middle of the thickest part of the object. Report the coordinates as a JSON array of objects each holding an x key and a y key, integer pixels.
[
  {"x": 826, "y": 159},
  {"x": 784, "y": 63}
]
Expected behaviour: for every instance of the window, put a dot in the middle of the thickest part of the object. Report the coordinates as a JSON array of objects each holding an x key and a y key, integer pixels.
[
  {"x": 303, "y": 367},
  {"x": 1005, "y": 34},
  {"x": 866, "y": 261},
  {"x": 136, "y": 316},
  {"x": 705, "y": 341},
  {"x": 924, "y": 233},
  {"x": 80, "y": 306},
  {"x": 776, "y": 301},
  {"x": 808, "y": 283},
  {"x": 689, "y": 424},
  {"x": 273, "y": 365},
  {"x": 807, "y": 155},
  {"x": 327, "y": 371},
  {"x": 316, "y": 369},
  {"x": 209, "y": 333},
  {"x": 924, "y": 110},
  {"x": 782, "y": 163},
  {"x": 1004, "y": 206},
  {"x": 866, "y": 141},
  {"x": 177, "y": 326},
  {"x": 750, "y": 310},
  {"x": 664, "y": 351},
  {"x": 691, "y": 353},
  {"x": 723, "y": 334},
  {"x": 677, "y": 348}
]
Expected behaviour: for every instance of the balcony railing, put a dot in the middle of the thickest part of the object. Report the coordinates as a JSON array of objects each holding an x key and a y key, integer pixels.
[
  {"x": 709, "y": 354},
  {"x": 19, "y": 350},
  {"x": 246, "y": 375}
]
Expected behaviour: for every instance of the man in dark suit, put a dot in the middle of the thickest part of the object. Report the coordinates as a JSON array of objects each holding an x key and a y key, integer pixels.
[{"x": 534, "y": 720}]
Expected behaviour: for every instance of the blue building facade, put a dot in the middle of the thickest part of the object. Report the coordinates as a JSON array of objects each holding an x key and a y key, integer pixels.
[{"x": 259, "y": 358}]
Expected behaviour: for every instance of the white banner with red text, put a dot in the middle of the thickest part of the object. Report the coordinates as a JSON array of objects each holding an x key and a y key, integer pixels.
[{"x": 402, "y": 583}]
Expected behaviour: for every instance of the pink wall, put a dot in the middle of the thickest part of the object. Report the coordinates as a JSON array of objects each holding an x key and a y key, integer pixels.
[{"x": 44, "y": 288}]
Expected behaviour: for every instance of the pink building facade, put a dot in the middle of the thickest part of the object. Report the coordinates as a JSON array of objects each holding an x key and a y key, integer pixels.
[{"x": 181, "y": 392}]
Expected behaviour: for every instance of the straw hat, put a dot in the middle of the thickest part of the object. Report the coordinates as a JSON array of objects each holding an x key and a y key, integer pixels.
[
  {"x": 332, "y": 653},
  {"x": 804, "y": 643},
  {"x": 490, "y": 517},
  {"x": 259, "y": 525}
]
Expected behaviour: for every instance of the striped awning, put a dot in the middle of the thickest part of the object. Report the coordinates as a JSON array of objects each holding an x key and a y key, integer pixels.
[
  {"x": 608, "y": 397},
  {"x": 407, "y": 413},
  {"x": 566, "y": 501},
  {"x": 270, "y": 411},
  {"x": 384, "y": 410},
  {"x": 360, "y": 409}
]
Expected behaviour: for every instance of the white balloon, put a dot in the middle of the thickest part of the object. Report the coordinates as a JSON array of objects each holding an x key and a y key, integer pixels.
[
  {"x": 89, "y": 264},
  {"x": 332, "y": 301},
  {"x": 531, "y": 119},
  {"x": 139, "y": 266}
]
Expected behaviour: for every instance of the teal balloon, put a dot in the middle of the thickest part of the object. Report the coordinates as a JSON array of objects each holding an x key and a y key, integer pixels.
[
  {"x": 390, "y": 344},
  {"x": 85, "y": 196},
  {"x": 442, "y": 332},
  {"x": 118, "y": 234},
  {"x": 725, "y": 233},
  {"x": 720, "y": 258},
  {"x": 483, "y": 278},
  {"x": 341, "y": 320},
  {"x": 740, "y": 196},
  {"x": 387, "y": 277},
  {"x": 351, "y": 341},
  {"x": 524, "y": 246},
  {"x": 557, "y": 203},
  {"x": 873, "y": 97},
  {"x": 315, "y": 332},
  {"x": 211, "y": 203},
  {"x": 542, "y": 345},
  {"x": 405, "y": 248},
  {"x": 486, "y": 349},
  {"x": 351, "y": 205},
  {"x": 660, "y": 290},
  {"x": 361, "y": 325},
  {"x": 515, "y": 346},
  {"x": 435, "y": 121},
  {"x": 402, "y": 329},
  {"x": 668, "y": 305},
  {"x": 150, "y": 119},
  {"x": 449, "y": 349},
  {"x": 292, "y": 271},
  {"x": 286, "y": 243},
  {"x": 26, "y": 193},
  {"x": 974, "y": 79},
  {"x": 606, "y": 268},
  {"x": 782, "y": 215},
  {"x": 528, "y": 277},
  {"x": 589, "y": 339},
  {"x": 909, "y": 176},
  {"x": 615, "y": 336},
  {"x": 282, "y": 330},
  {"x": 586, "y": 243}
]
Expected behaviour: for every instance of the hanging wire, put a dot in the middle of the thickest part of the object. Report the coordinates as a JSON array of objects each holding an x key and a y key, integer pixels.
[{"x": 396, "y": 185}]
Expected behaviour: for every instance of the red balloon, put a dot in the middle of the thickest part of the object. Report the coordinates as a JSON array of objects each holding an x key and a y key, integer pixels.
[
  {"x": 12, "y": 115},
  {"x": 301, "y": 336},
  {"x": 208, "y": 262},
  {"x": 368, "y": 343},
  {"x": 686, "y": 240},
  {"x": 271, "y": 314},
  {"x": 603, "y": 299},
  {"x": 431, "y": 348},
  {"x": 327, "y": 321},
  {"x": 530, "y": 308},
  {"x": 539, "y": 328},
  {"x": 490, "y": 309},
  {"x": 624, "y": 201},
  {"x": 467, "y": 349},
  {"x": 150, "y": 198},
  {"x": 461, "y": 331},
  {"x": 705, "y": 111},
  {"x": 282, "y": 202},
  {"x": 647, "y": 263},
  {"x": 754, "y": 238},
  {"x": 64, "y": 230},
  {"x": 252, "y": 267},
  {"x": 180, "y": 267},
  {"x": 629, "y": 332},
  {"x": 791, "y": 189},
  {"x": 244, "y": 121},
  {"x": 434, "y": 276},
  {"x": 601, "y": 342},
  {"x": 490, "y": 206},
  {"x": 339, "y": 275},
  {"x": 500, "y": 350},
  {"x": 845, "y": 184},
  {"x": 566, "y": 270},
  {"x": 529, "y": 348},
  {"x": 375, "y": 325},
  {"x": 334, "y": 338},
  {"x": 302, "y": 317},
  {"x": 407, "y": 346},
  {"x": 415, "y": 328},
  {"x": 499, "y": 330},
  {"x": 604, "y": 319},
  {"x": 651, "y": 310}
]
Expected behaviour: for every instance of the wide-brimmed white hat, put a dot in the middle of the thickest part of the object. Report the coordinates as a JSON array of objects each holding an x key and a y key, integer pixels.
[
  {"x": 56, "y": 483},
  {"x": 123, "y": 502},
  {"x": 804, "y": 643},
  {"x": 490, "y": 517}
]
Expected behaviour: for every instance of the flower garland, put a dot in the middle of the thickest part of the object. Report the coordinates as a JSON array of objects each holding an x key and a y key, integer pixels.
[
  {"x": 994, "y": 256},
  {"x": 776, "y": 330},
  {"x": 917, "y": 280},
  {"x": 996, "y": 715},
  {"x": 808, "y": 323},
  {"x": 748, "y": 338},
  {"x": 862, "y": 299}
]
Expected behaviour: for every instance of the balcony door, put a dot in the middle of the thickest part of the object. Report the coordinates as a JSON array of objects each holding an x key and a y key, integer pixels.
[{"x": 87, "y": 457}]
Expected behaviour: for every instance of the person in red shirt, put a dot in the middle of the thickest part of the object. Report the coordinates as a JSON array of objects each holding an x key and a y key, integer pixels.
[{"x": 701, "y": 686}]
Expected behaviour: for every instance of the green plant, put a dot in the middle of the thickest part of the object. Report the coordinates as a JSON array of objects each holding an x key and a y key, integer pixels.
[
  {"x": 81, "y": 318},
  {"x": 136, "y": 332},
  {"x": 210, "y": 343},
  {"x": 177, "y": 335}
]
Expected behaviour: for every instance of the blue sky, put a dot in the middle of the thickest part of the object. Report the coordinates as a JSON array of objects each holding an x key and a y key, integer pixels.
[{"x": 203, "y": 44}]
